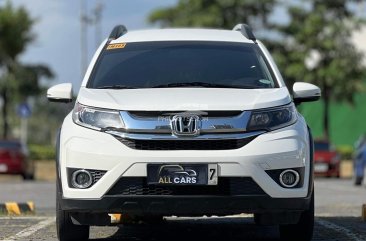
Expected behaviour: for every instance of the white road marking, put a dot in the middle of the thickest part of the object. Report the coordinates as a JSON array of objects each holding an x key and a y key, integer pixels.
[
  {"x": 22, "y": 218},
  {"x": 333, "y": 215},
  {"x": 31, "y": 230},
  {"x": 345, "y": 231}
]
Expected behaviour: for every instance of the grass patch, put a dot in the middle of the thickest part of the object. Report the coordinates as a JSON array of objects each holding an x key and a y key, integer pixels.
[{"x": 42, "y": 152}]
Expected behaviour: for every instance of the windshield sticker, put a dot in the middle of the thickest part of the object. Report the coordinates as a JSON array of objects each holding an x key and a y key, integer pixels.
[
  {"x": 116, "y": 46},
  {"x": 265, "y": 81}
]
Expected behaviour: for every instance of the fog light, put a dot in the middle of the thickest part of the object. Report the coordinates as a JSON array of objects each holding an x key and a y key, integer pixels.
[
  {"x": 81, "y": 179},
  {"x": 289, "y": 178}
]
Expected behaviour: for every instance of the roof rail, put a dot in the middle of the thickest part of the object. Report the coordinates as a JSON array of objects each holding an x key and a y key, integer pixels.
[
  {"x": 117, "y": 32},
  {"x": 245, "y": 30}
]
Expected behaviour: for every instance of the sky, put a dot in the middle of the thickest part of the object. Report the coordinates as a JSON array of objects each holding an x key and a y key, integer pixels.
[{"x": 57, "y": 30}]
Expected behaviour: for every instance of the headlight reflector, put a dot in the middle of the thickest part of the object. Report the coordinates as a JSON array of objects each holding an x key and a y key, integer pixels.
[
  {"x": 271, "y": 119},
  {"x": 96, "y": 118}
]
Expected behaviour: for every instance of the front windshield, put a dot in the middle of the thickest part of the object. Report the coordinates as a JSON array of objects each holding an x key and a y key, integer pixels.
[
  {"x": 182, "y": 64},
  {"x": 321, "y": 146}
]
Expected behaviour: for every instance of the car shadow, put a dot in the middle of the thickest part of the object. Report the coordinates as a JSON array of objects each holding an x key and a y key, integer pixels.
[
  {"x": 191, "y": 229},
  {"x": 235, "y": 229}
]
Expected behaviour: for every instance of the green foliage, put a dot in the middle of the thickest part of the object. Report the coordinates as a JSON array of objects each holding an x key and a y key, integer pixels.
[
  {"x": 346, "y": 152},
  {"x": 28, "y": 77},
  {"x": 346, "y": 124},
  {"x": 18, "y": 81},
  {"x": 322, "y": 33},
  {"x": 15, "y": 31},
  {"x": 42, "y": 152},
  {"x": 213, "y": 13},
  {"x": 317, "y": 47},
  {"x": 46, "y": 120}
]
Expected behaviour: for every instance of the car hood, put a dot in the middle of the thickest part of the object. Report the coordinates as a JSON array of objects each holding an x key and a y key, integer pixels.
[{"x": 173, "y": 99}]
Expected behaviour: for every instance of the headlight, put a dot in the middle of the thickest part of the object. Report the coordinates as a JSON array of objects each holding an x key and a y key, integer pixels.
[
  {"x": 271, "y": 119},
  {"x": 95, "y": 118}
]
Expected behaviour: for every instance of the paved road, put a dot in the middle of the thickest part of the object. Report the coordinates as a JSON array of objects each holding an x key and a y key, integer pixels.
[
  {"x": 43, "y": 194},
  {"x": 338, "y": 210}
]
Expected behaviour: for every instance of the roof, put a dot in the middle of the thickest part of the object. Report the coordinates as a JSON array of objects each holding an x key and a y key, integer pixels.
[{"x": 182, "y": 35}]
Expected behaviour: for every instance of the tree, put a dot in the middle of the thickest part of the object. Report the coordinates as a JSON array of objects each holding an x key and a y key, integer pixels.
[
  {"x": 314, "y": 46},
  {"x": 17, "y": 81},
  {"x": 214, "y": 13},
  {"x": 317, "y": 48}
]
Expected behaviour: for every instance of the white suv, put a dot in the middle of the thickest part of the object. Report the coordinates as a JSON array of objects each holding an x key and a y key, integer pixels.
[{"x": 184, "y": 122}]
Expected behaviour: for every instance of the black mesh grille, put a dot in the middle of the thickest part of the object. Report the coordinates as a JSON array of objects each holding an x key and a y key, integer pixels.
[
  {"x": 226, "y": 187},
  {"x": 227, "y": 144},
  {"x": 97, "y": 174}
]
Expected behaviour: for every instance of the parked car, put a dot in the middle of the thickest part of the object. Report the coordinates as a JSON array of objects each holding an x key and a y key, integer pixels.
[
  {"x": 327, "y": 159},
  {"x": 184, "y": 122},
  {"x": 14, "y": 159}
]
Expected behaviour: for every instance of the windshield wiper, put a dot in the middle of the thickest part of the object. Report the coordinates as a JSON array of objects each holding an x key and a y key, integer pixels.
[
  {"x": 205, "y": 85},
  {"x": 115, "y": 87}
]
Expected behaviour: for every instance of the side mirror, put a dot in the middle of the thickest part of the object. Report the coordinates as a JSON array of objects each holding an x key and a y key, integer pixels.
[
  {"x": 305, "y": 92},
  {"x": 60, "y": 93}
]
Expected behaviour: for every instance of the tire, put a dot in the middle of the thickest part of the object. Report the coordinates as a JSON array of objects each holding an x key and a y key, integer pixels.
[
  {"x": 66, "y": 230},
  {"x": 303, "y": 230},
  {"x": 358, "y": 181},
  {"x": 28, "y": 176}
]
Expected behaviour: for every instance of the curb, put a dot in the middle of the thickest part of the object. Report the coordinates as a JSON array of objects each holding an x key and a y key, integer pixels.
[{"x": 14, "y": 208}]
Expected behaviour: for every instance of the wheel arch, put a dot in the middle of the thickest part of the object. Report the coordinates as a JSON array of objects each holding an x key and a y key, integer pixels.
[{"x": 311, "y": 153}]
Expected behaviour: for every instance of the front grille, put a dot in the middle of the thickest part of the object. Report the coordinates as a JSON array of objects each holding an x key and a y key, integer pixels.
[
  {"x": 205, "y": 114},
  {"x": 170, "y": 145},
  {"x": 227, "y": 186}
]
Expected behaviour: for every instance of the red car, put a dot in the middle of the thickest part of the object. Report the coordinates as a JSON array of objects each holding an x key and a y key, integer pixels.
[
  {"x": 326, "y": 160},
  {"x": 14, "y": 160}
]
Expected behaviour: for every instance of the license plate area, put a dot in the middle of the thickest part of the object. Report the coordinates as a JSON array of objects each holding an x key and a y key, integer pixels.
[{"x": 182, "y": 174}]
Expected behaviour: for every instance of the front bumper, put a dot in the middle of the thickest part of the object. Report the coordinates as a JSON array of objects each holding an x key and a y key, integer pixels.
[
  {"x": 187, "y": 205},
  {"x": 88, "y": 149}
]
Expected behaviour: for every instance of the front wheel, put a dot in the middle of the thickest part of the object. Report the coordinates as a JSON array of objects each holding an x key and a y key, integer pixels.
[
  {"x": 303, "y": 230},
  {"x": 66, "y": 230}
]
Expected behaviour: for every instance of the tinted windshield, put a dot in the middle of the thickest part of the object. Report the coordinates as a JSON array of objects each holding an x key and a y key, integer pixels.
[
  {"x": 321, "y": 146},
  {"x": 9, "y": 145},
  {"x": 168, "y": 64}
]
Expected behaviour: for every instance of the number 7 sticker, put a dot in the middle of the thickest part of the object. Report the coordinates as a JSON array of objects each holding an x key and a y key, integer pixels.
[{"x": 212, "y": 174}]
